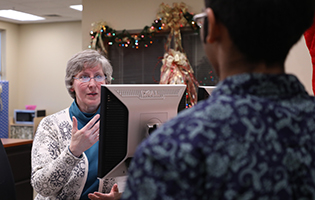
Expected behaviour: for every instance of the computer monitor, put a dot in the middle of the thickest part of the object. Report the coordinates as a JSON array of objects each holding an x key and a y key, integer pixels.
[
  {"x": 204, "y": 92},
  {"x": 129, "y": 113}
]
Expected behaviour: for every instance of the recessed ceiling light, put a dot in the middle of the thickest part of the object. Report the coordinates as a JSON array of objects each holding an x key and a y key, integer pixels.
[
  {"x": 17, "y": 15},
  {"x": 77, "y": 7}
]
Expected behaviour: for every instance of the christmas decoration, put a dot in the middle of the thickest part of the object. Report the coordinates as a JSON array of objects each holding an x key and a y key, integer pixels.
[
  {"x": 176, "y": 68},
  {"x": 102, "y": 35}
]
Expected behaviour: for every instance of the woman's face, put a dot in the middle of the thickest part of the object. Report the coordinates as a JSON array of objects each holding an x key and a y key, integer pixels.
[{"x": 88, "y": 94}]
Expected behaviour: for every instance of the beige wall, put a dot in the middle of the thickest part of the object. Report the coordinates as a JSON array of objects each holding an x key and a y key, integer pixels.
[
  {"x": 10, "y": 51},
  {"x": 299, "y": 63},
  {"x": 36, "y": 57},
  {"x": 42, "y": 72}
]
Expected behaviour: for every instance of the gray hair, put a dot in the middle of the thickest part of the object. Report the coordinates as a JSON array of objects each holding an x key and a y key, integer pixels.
[{"x": 86, "y": 59}]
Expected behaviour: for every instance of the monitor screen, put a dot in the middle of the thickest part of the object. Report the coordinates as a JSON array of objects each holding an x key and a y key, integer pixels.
[
  {"x": 204, "y": 92},
  {"x": 129, "y": 113}
]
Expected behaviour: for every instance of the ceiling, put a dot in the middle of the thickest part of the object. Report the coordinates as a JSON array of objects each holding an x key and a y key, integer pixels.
[{"x": 52, "y": 10}]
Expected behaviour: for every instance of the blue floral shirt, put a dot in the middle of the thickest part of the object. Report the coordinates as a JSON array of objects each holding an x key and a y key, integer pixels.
[{"x": 254, "y": 138}]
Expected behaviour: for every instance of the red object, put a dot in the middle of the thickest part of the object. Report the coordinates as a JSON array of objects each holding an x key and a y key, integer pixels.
[{"x": 309, "y": 36}]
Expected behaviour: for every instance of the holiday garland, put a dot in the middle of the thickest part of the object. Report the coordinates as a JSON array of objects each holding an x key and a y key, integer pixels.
[{"x": 103, "y": 35}]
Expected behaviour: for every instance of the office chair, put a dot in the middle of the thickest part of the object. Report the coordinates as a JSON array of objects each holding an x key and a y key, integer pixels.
[{"x": 7, "y": 186}]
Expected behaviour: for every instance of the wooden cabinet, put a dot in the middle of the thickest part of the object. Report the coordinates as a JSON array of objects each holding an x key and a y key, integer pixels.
[{"x": 19, "y": 155}]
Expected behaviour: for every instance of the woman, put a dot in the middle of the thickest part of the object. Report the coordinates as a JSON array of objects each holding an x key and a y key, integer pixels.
[{"x": 65, "y": 147}]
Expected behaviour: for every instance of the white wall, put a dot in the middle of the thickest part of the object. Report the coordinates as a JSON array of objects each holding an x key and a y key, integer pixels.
[
  {"x": 131, "y": 15},
  {"x": 35, "y": 68}
]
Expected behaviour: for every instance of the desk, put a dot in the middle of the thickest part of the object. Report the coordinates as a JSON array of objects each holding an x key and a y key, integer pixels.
[{"x": 19, "y": 155}]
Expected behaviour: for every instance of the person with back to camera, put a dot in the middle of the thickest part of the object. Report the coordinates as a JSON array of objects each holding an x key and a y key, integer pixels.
[
  {"x": 254, "y": 137},
  {"x": 65, "y": 147}
]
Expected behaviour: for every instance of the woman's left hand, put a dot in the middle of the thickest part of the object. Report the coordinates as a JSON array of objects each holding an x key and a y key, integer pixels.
[{"x": 113, "y": 195}]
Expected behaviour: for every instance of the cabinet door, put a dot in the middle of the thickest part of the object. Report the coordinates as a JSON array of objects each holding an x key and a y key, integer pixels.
[{"x": 20, "y": 161}]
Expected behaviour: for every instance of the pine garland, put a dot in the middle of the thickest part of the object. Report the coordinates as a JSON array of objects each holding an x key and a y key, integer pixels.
[{"x": 109, "y": 36}]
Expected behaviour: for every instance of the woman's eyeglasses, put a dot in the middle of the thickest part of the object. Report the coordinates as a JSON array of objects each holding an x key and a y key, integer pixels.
[{"x": 85, "y": 79}]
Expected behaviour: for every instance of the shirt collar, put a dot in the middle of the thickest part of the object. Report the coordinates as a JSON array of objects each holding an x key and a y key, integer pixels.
[{"x": 268, "y": 85}]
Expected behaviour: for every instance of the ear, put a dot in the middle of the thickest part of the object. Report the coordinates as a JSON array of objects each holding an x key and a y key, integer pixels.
[{"x": 213, "y": 27}]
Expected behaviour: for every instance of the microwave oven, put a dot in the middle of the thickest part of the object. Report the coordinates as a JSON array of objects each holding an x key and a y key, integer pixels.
[{"x": 27, "y": 116}]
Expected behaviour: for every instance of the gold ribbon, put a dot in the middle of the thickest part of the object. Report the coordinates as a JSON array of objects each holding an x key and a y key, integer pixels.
[
  {"x": 176, "y": 69},
  {"x": 173, "y": 18}
]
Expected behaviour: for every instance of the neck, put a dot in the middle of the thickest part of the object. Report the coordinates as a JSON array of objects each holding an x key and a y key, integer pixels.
[
  {"x": 230, "y": 61},
  {"x": 237, "y": 64},
  {"x": 88, "y": 109}
]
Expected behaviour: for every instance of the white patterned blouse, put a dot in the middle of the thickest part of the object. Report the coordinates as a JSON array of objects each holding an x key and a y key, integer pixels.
[{"x": 56, "y": 172}]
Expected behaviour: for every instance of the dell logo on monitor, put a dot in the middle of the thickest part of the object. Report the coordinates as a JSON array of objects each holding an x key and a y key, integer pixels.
[{"x": 149, "y": 93}]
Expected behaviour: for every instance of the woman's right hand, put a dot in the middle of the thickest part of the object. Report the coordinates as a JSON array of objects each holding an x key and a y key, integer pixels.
[
  {"x": 113, "y": 195},
  {"x": 82, "y": 140}
]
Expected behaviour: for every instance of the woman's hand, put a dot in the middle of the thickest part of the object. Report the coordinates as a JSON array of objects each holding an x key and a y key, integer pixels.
[
  {"x": 113, "y": 195},
  {"x": 82, "y": 140}
]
